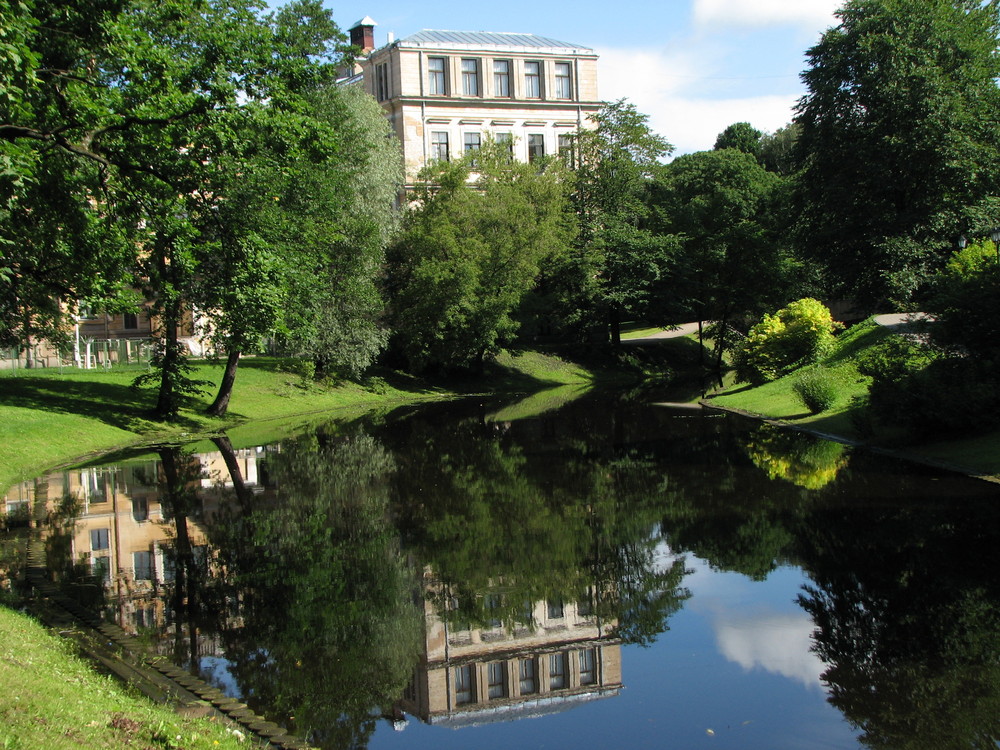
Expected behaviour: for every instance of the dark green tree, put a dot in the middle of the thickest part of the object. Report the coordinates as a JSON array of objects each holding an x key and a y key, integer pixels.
[
  {"x": 899, "y": 141},
  {"x": 470, "y": 251},
  {"x": 741, "y": 136},
  {"x": 777, "y": 150}
]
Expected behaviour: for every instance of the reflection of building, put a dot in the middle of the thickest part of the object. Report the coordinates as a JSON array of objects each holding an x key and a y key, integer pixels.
[
  {"x": 562, "y": 656},
  {"x": 446, "y": 92}
]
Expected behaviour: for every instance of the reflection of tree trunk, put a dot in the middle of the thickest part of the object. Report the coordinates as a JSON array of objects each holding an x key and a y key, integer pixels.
[
  {"x": 221, "y": 403},
  {"x": 232, "y": 464},
  {"x": 184, "y": 584}
]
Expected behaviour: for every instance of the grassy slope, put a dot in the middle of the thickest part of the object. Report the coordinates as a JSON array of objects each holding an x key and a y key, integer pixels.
[
  {"x": 52, "y": 699},
  {"x": 979, "y": 454},
  {"x": 51, "y": 418}
]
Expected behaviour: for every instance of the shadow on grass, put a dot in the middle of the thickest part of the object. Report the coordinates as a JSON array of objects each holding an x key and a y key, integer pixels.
[{"x": 114, "y": 404}]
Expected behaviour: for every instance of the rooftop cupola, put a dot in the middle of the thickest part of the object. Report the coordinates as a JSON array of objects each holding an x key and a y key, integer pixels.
[{"x": 363, "y": 34}]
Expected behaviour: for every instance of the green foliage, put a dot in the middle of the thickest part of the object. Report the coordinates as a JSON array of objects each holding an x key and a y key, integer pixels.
[
  {"x": 806, "y": 461},
  {"x": 899, "y": 141},
  {"x": 741, "y": 136},
  {"x": 472, "y": 248},
  {"x": 777, "y": 150},
  {"x": 965, "y": 302},
  {"x": 818, "y": 389},
  {"x": 797, "y": 334}
]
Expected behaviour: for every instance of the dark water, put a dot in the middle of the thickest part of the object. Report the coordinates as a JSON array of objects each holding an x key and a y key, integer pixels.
[{"x": 607, "y": 574}]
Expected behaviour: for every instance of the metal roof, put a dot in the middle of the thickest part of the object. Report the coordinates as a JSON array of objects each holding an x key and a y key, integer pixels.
[{"x": 433, "y": 37}]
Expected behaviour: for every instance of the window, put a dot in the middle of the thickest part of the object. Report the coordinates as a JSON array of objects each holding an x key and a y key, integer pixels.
[
  {"x": 536, "y": 146},
  {"x": 100, "y": 567},
  {"x": 140, "y": 509},
  {"x": 588, "y": 672},
  {"x": 566, "y": 149},
  {"x": 142, "y": 565},
  {"x": 564, "y": 87},
  {"x": 464, "y": 684},
  {"x": 99, "y": 539},
  {"x": 439, "y": 146},
  {"x": 533, "y": 80},
  {"x": 556, "y": 610},
  {"x": 470, "y": 76},
  {"x": 382, "y": 82},
  {"x": 585, "y": 606},
  {"x": 130, "y": 322},
  {"x": 558, "y": 671},
  {"x": 501, "y": 78},
  {"x": 528, "y": 676},
  {"x": 473, "y": 142},
  {"x": 497, "y": 677},
  {"x": 506, "y": 140},
  {"x": 436, "y": 76}
]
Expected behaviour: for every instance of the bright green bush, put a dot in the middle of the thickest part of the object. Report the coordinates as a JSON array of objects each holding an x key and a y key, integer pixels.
[
  {"x": 796, "y": 335},
  {"x": 817, "y": 390}
]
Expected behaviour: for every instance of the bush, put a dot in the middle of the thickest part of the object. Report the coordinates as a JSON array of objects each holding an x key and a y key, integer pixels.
[
  {"x": 796, "y": 335},
  {"x": 817, "y": 390}
]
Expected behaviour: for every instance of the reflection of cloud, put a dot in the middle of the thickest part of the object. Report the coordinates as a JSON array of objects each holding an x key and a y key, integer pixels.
[
  {"x": 679, "y": 107},
  {"x": 774, "y": 642},
  {"x": 764, "y": 12}
]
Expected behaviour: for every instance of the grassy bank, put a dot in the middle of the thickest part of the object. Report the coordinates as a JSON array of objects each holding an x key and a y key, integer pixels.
[
  {"x": 978, "y": 455},
  {"x": 51, "y": 418},
  {"x": 54, "y": 700}
]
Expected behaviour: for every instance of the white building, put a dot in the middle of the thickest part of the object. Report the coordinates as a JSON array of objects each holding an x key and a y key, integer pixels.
[{"x": 445, "y": 92}]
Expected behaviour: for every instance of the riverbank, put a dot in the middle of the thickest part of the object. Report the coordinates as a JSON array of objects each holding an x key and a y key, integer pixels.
[
  {"x": 978, "y": 455},
  {"x": 53, "y": 419}
]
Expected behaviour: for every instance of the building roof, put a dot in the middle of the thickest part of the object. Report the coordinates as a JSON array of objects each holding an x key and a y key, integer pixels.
[{"x": 479, "y": 39}]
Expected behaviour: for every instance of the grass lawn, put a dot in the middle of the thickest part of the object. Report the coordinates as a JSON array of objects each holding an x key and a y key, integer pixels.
[
  {"x": 52, "y": 699},
  {"x": 53, "y": 418}
]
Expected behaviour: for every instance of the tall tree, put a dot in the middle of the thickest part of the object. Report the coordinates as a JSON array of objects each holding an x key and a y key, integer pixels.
[
  {"x": 469, "y": 253},
  {"x": 899, "y": 140},
  {"x": 619, "y": 260}
]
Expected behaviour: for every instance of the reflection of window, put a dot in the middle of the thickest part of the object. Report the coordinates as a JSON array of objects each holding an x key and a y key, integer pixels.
[
  {"x": 558, "y": 671},
  {"x": 142, "y": 565},
  {"x": 585, "y": 607},
  {"x": 497, "y": 675},
  {"x": 536, "y": 146},
  {"x": 435, "y": 76},
  {"x": 501, "y": 77},
  {"x": 564, "y": 87},
  {"x": 492, "y": 608},
  {"x": 439, "y": 146},
  {"x": 464, "y": 684},
  {"x": 528, "y": 676},
  {"x": 533, "y": 80},
  {"x": 556, "y": 610},
  {"x": 470, "y": 76},
  {"x": 99, "y": 539},
  {"x": 588, "y": 672},
  {"x": 140, "y": 509}
]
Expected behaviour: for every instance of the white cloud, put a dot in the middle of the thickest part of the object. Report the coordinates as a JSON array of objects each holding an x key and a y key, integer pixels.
[
  {"x": 673, "y": 92},
  {"x": 810, "y": 13},
  {"x": 777, "y": 643}
]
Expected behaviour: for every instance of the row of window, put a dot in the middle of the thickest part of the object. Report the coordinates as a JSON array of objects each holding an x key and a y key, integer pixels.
[
  {"x": 440, "y": 146},
  {"x": 503, "y": 72},
  {"x": 527, "y": 677}
]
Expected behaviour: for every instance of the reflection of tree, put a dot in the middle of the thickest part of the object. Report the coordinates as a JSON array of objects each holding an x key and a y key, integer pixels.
[
  {"x": 803, "y": 460},
  {"x": 907, "y": 608},
  {"x": 512, "y": 514},
  {"x": 327, "y": 629}
]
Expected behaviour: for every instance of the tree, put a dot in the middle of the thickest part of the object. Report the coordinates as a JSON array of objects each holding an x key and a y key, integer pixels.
[
  {"x": 777, "y": 150},
  {"x": 741, "y": 136},
  {"x": 899, "y": 141},
  {"x": 470, "y": 251},
  {"x": 618, "y": 259},
  {"x": 342, "y": 217},
  {"x": 730, "y": 262}
]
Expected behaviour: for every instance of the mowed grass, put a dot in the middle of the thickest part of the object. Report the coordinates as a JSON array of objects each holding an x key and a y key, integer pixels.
[
  {"x": 52, "y": 418},
  {"x": 53, "y": 700}
]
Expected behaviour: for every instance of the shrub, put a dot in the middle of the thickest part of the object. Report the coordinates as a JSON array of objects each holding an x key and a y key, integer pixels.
[
  {"x": 817, "y": 390},
  {"x": 796, "y": 335}
]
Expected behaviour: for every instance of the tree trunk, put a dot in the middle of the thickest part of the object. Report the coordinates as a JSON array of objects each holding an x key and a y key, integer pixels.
[
  {"x": 221, "y": 403},
  {"x": 615, "y": 324},
  {"x": 166, "y": 399}
]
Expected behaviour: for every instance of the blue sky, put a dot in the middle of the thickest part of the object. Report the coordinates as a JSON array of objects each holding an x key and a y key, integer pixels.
[{"x": 693, "y": 66}]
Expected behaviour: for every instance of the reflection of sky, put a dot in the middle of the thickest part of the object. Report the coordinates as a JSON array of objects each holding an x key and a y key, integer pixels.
[
  {"x": 774, "y": 635},
  {"x": 732, "y": 672}
]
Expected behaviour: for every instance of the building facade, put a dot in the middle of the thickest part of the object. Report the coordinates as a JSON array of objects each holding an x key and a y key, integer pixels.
[{"x": 447, "y": 92}]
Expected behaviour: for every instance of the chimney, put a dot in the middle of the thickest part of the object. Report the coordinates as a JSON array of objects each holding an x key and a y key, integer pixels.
[{"x": 363, "y": 34}]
